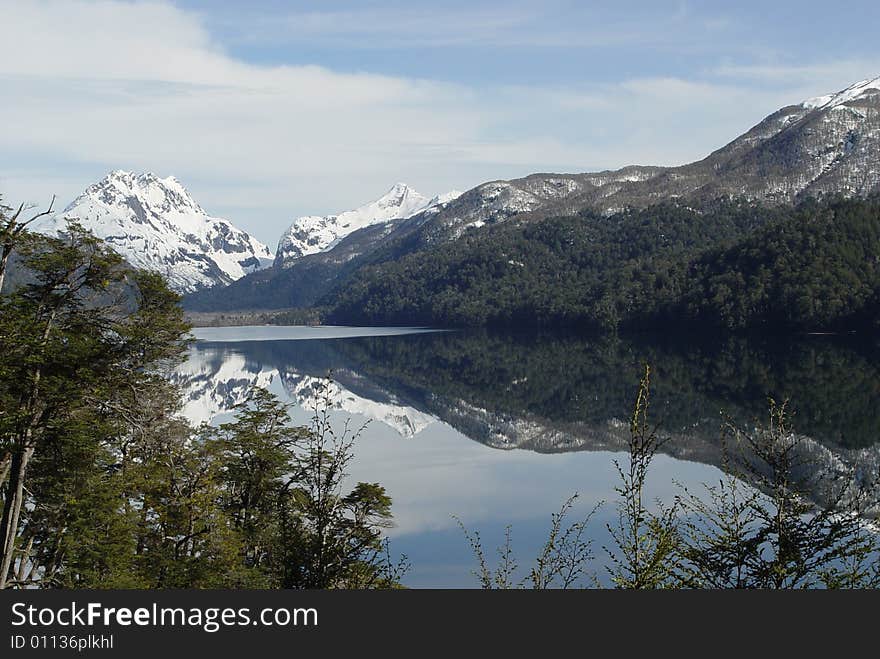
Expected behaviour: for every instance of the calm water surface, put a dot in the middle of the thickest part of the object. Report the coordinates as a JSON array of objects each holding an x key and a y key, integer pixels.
[{"x": 499, "y": 429}]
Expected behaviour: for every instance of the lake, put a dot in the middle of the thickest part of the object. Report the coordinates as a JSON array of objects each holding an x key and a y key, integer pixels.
[{"x": 498, "y": 429}]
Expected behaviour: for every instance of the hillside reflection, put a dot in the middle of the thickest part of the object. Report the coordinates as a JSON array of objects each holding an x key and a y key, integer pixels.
[
  {"x": 834, "y": 385},
  {"x": 551, "y": 393}
]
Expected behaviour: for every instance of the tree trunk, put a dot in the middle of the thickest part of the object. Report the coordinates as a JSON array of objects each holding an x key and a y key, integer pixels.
[
  {"x": 20, "y": 572},
  {"x": 12, "y": 512},
  {"x": 5, "y": 465},
  {"x": 4, "y": 261},
  {"x": 21, "y": 456}
]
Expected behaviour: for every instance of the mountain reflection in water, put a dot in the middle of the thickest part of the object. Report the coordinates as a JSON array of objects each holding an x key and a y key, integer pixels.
[{"x": 549, "y": 394}]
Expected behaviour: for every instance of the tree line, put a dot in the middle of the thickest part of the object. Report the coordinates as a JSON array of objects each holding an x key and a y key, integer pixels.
[{"x": 728, "y": 265}]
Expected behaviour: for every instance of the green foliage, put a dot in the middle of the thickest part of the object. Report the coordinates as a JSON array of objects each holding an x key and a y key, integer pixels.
[
  {"x": 561, "y": 563},
  {"x": 817, "y": 270},
  {"x": 77, "y": 363},
  {"x": 257, "y": 453},
  {"x": 283, "y": 494},
  {"x": 772, "y": 534},
  {"x": 730, "y": 265},
  {"x": 646, "y": 544},
  {"x": 585, "y": 270},
  {"x": 183, "y": 539},
  {"x": 305, "y": 316},
  {"x": 286, "y": 317},
  {"x": 333, "y": 538},
  {"x": 760, "y": 527},
  {"x": 103, "y": 485}
]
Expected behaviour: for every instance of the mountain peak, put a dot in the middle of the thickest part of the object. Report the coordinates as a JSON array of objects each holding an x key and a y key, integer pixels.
[
  {"x": 312, "y": 234},
  {"x": 146, "y": 189},
  {"x": 445, "y": 198},
  {"x": 401, "y": 196},
  {"x": 129, "y": 178},
  {"x": 852, "y": 92},
  {"x": 155, "y": 224}
]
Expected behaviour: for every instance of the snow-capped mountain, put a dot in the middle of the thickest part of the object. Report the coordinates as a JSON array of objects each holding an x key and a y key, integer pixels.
[
  {"x": 854, "y": 91},
  {"x": 828, "y": 144},
  {"x": 155, "y": 224},
  {"x": 439, "y": 200},
  {"x": 213, "y": 382},
  {"x": 312, "y": 233}
]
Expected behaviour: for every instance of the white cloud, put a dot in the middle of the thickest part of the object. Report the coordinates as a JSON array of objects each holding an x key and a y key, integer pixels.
[
  {"x": 476, "y": 23},
  {"x": 827, "y": 76},
  {"x": 143, "y": 87},
  {"x": 90, "y": 86}
]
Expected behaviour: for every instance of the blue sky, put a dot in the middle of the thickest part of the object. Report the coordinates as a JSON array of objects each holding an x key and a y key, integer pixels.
[
  {"x": 267, "y": 110},
  {"x": 553, "y": 41}
]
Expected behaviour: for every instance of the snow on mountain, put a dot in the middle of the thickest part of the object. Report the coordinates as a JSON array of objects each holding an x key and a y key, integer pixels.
[
  {"x": 445, "y": 198},
  {"x": 312, "y": 233},
  {"x": 155, "y": 224},
  {"x": 851, "y": 93},
  {"x": 486, "y": 204}
]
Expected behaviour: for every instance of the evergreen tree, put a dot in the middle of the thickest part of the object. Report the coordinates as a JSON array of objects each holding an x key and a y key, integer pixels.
[{"x": 76, "y": 357}]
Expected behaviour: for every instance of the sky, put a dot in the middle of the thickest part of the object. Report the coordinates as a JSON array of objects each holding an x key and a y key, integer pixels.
[{"x": 268, "y": 110}]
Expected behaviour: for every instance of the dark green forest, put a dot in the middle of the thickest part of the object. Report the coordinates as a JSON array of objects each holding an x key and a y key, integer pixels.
[{"x": 727, "y": 265}]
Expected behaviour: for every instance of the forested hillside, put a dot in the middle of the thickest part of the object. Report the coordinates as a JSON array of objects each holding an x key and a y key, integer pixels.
[
  {"x": 728, "y": 264},
  {"x": 819, "y": 269}
]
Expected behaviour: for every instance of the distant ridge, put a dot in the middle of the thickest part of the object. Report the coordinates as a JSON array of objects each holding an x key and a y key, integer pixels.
[{"x": 821, "y": 146}]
